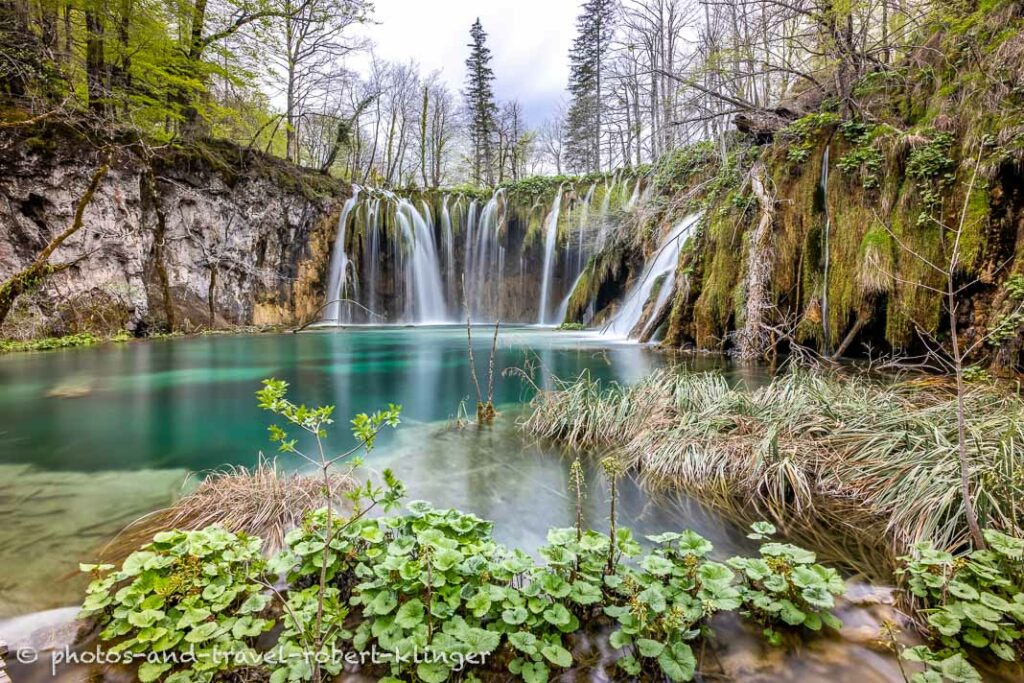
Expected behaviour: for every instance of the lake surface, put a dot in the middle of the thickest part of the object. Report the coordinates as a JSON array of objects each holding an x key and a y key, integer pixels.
[{"x": 93, "y": 438}]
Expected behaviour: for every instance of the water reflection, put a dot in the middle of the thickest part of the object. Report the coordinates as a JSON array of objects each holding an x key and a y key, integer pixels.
[
  {"x": 523, "y": 486},
  {"x": 190, "y": 402}
]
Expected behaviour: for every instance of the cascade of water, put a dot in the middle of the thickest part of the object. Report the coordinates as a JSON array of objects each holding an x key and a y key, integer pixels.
[
  {"x": 482, "y": 258},
  {"x": 338, "y": 279},
  {"x": 448, "y": 245},
  {"x": 662, "y": 268},
  {"x": 634, "y": 195},
  {"x": 423, "y": 274},
  {"x": 372, "y": 255},
  {"x": 550, "y": 235},
  {"x": 563, "y": 307},
  {"x": 828, "y": 228}
]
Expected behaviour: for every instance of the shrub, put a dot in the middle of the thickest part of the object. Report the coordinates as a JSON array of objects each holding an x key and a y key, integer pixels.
[
  {"x": 785, "y": 588},
  {"x": 664, "y": 603},
  {"x": 49, "y": 343}
]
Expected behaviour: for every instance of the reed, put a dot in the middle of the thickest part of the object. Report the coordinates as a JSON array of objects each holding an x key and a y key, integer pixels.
[
  {"x": 262, "y": 501},
  {"x": 878, "y": 457}
]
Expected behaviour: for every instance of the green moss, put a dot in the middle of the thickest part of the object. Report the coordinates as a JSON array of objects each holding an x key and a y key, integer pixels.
[
  {"x": 50, "y": 343},
  {"x": 674, "y": 170}
]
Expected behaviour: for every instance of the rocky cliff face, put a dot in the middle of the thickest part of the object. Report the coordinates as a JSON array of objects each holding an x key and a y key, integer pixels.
[{"x": 226, "y": 238}]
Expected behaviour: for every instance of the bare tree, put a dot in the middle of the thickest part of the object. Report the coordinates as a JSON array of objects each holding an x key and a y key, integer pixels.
[
  {"x": 947, "y": 282},
  {"x": 552, "y": 140}
]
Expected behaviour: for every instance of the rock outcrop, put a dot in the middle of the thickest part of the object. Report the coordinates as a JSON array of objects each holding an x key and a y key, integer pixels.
[{"x": 229, "y": 237}]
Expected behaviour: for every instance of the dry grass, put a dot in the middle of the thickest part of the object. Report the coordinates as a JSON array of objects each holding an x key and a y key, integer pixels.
[
  {"x": 263, "y": 501},
  {"x": 878, "y": 458}
]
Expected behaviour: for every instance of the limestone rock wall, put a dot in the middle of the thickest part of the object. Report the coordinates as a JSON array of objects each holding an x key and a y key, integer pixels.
[{"x": 259, "y": 230}]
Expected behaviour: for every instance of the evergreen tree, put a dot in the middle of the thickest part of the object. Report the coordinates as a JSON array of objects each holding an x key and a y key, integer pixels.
[
  {"x": 480, "y": 105},
  {"x": 586, "y": 57}
]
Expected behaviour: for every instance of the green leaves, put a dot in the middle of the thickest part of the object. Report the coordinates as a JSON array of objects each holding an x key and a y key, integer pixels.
[
  {"x": 410, "y": 614},
  {"x": 677, "y": 662},
  {"x": 145, "y": 618},
  {"x": 183, "y": 592},
  {"x": 649, "y": 648},
  {"x": 514, "y": 616},
  {"x": 382, "y": 603},
  {"x": 557, "y": 615},
  {"x": 557, "y": 655},
  {"x": 151, "y": 671},
  {"x": 761, "y": 531},
  {"x": 785, "y": 588},
  {"x": 945, "y": 623},
  {"x": 433, "y": 672},
  {"x": 524, "y": 641},
  {"x": 445, "y": 559},
  {"x": 974, "y": 600},
  {"x": 435, "y": 581}
]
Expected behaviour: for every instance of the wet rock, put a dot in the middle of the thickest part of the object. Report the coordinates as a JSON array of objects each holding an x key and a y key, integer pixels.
[
  {"x": 70, "y": 390},
  {"x": 43, "y": 631},
  {"x": 276, "y": 237}
]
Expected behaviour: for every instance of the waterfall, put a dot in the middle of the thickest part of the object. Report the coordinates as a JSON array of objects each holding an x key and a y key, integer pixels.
[
  {"x": 634, "y": 196},
  {"x": 447, "y": 242},
  {"x": 550, "y": 235},
  {"x": 482, "y": 260},
  {"x": 372, "y": 255},
  {"x": 429, "y": 258},
  {"x": 423, "y": 273},
  {"x": 824, "y": 286},
  {"x": 563, "y": 307},
  {"x": 339, "y": 270},
  {"x": 663, "y": 268}
]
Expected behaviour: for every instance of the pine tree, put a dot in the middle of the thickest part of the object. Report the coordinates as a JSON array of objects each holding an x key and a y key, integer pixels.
[
  {"x": 586, "y": 57},
  {"x": 480, "y": 105}
]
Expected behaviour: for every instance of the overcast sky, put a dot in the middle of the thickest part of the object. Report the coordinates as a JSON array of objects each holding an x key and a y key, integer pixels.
[{"x": 529, "y": 42}]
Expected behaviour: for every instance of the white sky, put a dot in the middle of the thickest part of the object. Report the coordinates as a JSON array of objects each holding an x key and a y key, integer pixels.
[{"x": 529, "y": 42}]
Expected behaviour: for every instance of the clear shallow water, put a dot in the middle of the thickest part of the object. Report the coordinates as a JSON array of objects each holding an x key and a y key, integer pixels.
[
  {"x": 93, "y": 438},
  {"x": 190, "y": 402},
  {"x": 74, "y": 470}
]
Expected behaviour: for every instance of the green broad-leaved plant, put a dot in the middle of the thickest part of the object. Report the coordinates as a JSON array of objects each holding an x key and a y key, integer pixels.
[
  {"x": 664, "y": 602},
  {"x": 785, "y": 588},
  {"x": 197, "y": 592},
  {"x": 973, "y": 601}
]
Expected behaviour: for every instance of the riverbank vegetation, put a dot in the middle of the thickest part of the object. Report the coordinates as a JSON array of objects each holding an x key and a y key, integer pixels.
[
  {"x": 435, "y": 582},
  {"x": 876, "y": 459},
  {"x": 428, "y": 581}
]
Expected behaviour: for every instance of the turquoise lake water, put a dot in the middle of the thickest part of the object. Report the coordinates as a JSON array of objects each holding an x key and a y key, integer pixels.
[{"x": 93, "y": 438}]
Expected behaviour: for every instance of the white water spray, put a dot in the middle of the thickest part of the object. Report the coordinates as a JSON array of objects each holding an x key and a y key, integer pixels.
[
  {"x": 550, "y": 235},
  {"x": 660, "y": 271},
  {"x": 338, "y": 280}
]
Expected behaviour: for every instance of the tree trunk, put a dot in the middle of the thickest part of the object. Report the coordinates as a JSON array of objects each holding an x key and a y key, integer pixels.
[
  {"x": 95, "y": 63},
  {"x": 751, "y": 340},
  {"x": 961, "y": 427},
  {"x": 211, "y": 296},
  {"x": 159, "y": 239},
  {"x": 194, "y": 127}
]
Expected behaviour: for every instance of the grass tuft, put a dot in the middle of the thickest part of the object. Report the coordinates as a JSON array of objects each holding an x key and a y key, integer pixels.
[
  {"x": 261, "y": 501},
  {"x": 805, "y": 446}
]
